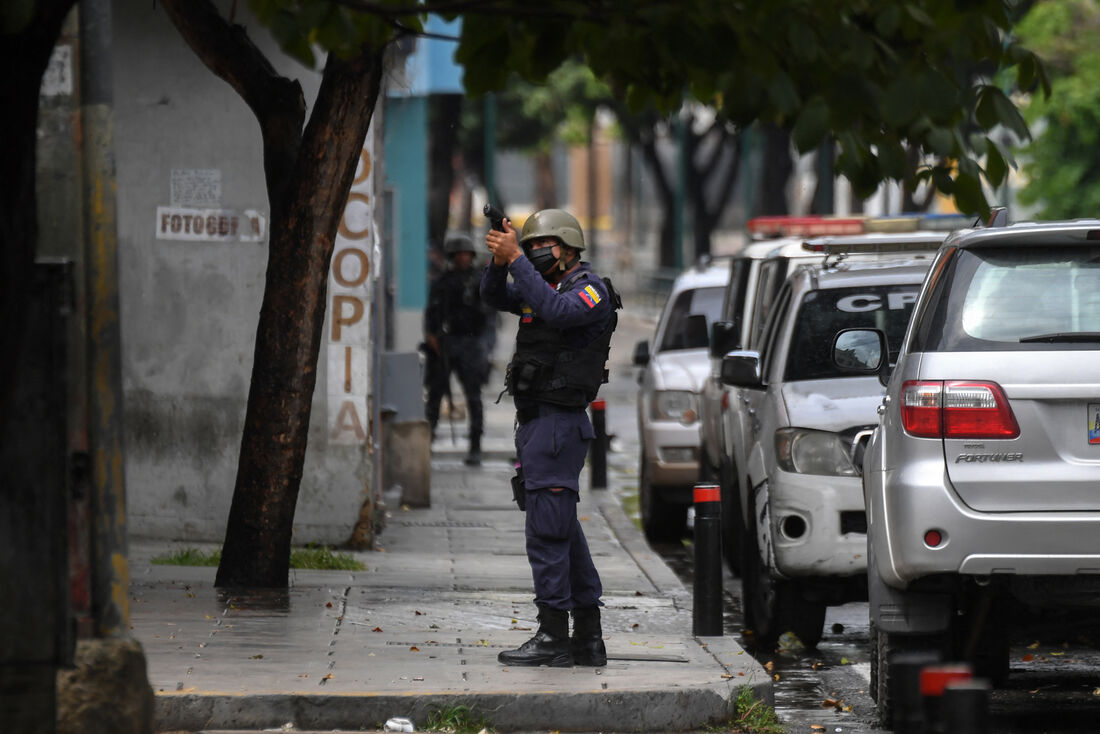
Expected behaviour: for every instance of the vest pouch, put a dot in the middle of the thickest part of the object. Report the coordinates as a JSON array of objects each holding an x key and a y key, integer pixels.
[{"x": 523, "y": 377}]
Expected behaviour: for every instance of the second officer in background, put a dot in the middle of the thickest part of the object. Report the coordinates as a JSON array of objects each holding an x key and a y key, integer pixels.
[{"x": 454, "y": 334}]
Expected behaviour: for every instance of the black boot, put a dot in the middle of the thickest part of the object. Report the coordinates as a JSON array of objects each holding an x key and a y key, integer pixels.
[
  {"x": 587, "y": 641},
  {"x": 473, "y": 458},
  {"x": 549, "y": 646}
]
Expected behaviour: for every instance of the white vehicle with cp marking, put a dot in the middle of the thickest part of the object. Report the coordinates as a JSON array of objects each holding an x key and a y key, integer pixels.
[{"x": 799, "y": 448}]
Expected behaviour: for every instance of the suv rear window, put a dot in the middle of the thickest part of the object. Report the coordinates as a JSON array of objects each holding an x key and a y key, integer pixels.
[
  {"x": 1020, "y": 298},
  {"x": 825, "y": 312},
  {"x": 684, "y": 332}
]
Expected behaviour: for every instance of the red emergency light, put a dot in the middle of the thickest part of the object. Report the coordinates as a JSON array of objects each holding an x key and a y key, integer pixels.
[{"x": 785, "y": 226}]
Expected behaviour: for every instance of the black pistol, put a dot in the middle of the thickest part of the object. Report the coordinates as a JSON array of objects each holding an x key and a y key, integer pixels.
[{"x": 495, "y": 217}]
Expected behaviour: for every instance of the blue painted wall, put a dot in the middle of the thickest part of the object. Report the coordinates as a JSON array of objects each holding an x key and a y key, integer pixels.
[{"x": 406, "y": 151}]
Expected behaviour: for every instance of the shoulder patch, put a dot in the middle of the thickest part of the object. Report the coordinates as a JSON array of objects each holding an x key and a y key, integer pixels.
[{"x": 589, "y": 295}]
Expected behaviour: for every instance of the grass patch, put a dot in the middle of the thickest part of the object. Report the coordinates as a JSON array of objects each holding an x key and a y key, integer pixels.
[
  {"x": 631, "y": 507},
  {"x": 754, "y": 716},
  {"x": 189, "y": 557},
  {"x": 459, "y": 719},
  {"x": 323, "y": 559},
  {"x": 319, "y": 558}
]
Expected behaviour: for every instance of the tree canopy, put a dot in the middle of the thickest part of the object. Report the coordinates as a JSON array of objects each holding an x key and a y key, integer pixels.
[{"x": 1063, "y": 163}]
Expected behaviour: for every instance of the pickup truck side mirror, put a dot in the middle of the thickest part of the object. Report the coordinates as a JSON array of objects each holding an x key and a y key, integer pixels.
[
  {"x": 641, "y": 353},
  {"x": 862, "y": 350},
  {"x": 723, "y": 338},
  {"x": 741, "y": 369}
]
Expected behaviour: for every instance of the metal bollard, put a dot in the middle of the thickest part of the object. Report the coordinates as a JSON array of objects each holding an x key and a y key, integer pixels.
[
  {"x": 905, "y": 692},
  {"x": 934, "y": 679},
  {"x": 599, "y": 444},
  {"x": 966, "y": 707},
  {"x": 706, "y": 609}
]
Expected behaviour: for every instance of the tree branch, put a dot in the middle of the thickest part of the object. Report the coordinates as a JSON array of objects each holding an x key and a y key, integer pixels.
[
  {"x": 277, "y": 102},
  {"x": 594, "y": 11}
]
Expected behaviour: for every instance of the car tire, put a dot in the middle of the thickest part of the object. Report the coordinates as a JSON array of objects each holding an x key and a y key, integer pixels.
[
  {"x": 773, "y": 606},
  {"x": 884, "y": 646},
  {"x": 662, "y": 522},
  {"x": 732, "y": 523}
]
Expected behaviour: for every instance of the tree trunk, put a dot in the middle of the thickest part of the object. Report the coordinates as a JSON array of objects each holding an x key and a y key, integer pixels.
[
  {"x": 25, "y": 53},
  {"x": 446, "y": 114},
  {"x": 284, "y": 372},
  {"x": 308, "y": 177},
  {"x": 546, "y": 190},
  {"x": 776, "y": 172}
]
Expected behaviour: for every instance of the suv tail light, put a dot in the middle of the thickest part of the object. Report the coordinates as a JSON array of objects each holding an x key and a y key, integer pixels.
[{"x": 956, "y": 409}]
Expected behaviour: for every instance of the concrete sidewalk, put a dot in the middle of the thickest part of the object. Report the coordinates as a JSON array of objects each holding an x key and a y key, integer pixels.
[{"x": 421, "y": 627}]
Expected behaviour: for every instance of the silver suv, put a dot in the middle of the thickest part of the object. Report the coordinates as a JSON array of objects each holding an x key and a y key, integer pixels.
[
  {"x": 982, "y": 480},
  {"x": 798, "y": 441}
]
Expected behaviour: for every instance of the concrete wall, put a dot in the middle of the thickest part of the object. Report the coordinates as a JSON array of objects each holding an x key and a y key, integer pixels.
[{"x": 189, "y": 309}]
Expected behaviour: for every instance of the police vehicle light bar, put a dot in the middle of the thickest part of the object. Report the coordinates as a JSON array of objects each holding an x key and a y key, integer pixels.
[
  {"x": 881, "y": 242},
  {"x": 784, "y": 226}
]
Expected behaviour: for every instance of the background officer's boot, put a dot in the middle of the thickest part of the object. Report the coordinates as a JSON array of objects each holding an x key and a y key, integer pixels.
[
  {"x": 473, "y": 458},
  {"x": 549, "y": 646},
  {"x": 587, "y": 641}
]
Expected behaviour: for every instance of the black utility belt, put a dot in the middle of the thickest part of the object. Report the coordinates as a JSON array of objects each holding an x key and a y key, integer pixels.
[{"x": 531, "y": 412}]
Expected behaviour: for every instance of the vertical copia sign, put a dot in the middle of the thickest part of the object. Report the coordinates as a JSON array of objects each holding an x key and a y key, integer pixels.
[{"x": 350, "y": 290}]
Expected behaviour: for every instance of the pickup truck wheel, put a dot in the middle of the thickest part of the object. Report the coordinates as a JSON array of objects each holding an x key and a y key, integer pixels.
[
  {"x": 773, "y": 606},
  {"x": 662, "y": 522}
]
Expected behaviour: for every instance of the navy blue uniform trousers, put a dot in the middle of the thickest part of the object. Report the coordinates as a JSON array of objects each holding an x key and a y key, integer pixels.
[{"x": 551, "y": 448}]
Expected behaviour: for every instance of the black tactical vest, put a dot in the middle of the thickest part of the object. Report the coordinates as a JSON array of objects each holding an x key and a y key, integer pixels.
[{"x": 546, "y": 369}]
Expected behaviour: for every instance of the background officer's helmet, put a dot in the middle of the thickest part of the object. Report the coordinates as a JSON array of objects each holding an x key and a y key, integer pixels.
[
  {"x": 459, "y": 243},
  {"x": 553, "y": 223}
]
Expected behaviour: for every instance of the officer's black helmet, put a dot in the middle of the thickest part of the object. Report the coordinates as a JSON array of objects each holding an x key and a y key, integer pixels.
[{"x": 459, "y": 243}]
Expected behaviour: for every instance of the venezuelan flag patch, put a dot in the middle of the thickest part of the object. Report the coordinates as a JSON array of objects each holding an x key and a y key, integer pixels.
[
  {"x": 527, "y": 315},
  {"x": 589, "y": 295}
]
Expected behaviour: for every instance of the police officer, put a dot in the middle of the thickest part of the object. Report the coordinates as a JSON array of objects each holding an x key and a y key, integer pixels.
[
  {"x": 566, "y": 317},
  {"x": 454, "y": 326}
]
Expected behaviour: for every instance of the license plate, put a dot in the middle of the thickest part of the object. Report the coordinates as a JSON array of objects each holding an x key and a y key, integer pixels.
[{"x": 1094, "y": 423}]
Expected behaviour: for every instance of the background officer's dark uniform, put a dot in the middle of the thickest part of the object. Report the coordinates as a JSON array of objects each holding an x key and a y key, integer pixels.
[
  {"x": 557, "y": 324},
  {"x": 458, "y": 320}
]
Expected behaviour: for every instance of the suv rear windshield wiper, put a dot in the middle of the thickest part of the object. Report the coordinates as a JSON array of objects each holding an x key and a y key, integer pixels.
[{"x": 1063, "y": 336}]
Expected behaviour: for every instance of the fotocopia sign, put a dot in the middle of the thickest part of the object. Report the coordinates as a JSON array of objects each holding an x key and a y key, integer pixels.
[{"x": 210, "y": 225}]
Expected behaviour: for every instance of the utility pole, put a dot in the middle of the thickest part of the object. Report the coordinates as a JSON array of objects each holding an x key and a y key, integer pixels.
[{"x": 108, "y": 691}]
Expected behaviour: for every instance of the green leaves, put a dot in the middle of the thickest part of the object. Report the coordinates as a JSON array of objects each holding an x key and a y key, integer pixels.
[
  {"x": 812, "y": 125},
  {"x": 995, "y": 108},
  {"x": 892, "y": 74}
]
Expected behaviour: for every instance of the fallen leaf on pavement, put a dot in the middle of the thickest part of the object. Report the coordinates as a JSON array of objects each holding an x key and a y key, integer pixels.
[
  {"x": 256, "y": 657},
  {"x": 419, "y": 613},
  {"x": 1027, "y": 658},
  {"x": 769, "y": 666},
  {"x": 414, "y": 648},
  {"x": 817, "y": 665},
  {"x": 376, "y": 629},
  {"x": 1033, "y": 646},
  {"x": 328, "y": 605},
  {"x": 328, "y": 676},
  {"x": 816, "y": 727}
]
